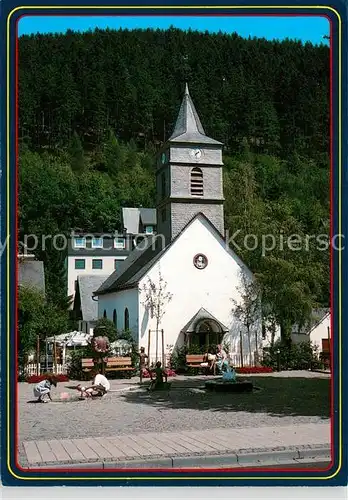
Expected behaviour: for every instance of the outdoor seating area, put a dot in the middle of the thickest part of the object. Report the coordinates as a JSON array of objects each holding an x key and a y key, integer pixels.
[{"x": 114, "y": 364}]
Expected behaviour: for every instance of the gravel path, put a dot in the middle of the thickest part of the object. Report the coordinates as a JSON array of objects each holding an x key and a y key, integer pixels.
[{"x": 125, "y": 412}]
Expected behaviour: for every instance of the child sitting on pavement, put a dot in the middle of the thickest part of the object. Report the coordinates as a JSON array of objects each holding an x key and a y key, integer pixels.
[
  {"x": 100, "y": 386},
  {"x": 161, "y": 377}
]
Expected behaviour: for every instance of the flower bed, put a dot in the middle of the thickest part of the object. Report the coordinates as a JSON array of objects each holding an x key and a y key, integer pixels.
[
  {"x": 254, "y": 369},
  {"x": 35, "y": 379},
  {"x": 169, "y": 372}
]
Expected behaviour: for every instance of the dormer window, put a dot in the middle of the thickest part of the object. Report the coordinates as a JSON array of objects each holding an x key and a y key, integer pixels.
[
  {"x": 196, "y": 183},
  {"x": 97, "y": 242},
  {"x": 120, "y": 243},
  {"x": 79, "y": 242}
]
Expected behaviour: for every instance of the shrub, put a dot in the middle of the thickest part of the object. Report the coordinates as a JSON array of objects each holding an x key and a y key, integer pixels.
[
  {"x": 75, "y": 371},
  {"x": 301, "y": 356},
  {"x": 169, "y": 372},
  {"x": 105, "y": 327},
  {"x": 35, "y": 379}
]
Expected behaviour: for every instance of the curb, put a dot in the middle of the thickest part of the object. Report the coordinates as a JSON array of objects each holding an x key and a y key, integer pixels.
[{"x": 321, "y": 455}]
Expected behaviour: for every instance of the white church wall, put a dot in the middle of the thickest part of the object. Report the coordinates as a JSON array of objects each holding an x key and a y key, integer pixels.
[
  {"x": 212, "y": 288},
  {"x": 321, "y": 331},
  {"x": 120, "y": 301}
]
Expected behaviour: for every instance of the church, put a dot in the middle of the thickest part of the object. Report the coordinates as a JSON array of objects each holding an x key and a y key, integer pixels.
[{"x": 181, "y": 286}]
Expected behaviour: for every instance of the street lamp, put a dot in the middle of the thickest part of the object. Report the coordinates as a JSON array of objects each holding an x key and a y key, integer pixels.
[{"x": 278, "y": 360}]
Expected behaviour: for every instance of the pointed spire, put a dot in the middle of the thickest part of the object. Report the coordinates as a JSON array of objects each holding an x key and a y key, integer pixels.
[{"x": 188, "y": 127}]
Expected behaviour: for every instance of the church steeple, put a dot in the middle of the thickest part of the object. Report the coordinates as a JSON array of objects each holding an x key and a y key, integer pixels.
[
  {"x": 189, "y": 175},
  {"x": 188, "y": 126}
]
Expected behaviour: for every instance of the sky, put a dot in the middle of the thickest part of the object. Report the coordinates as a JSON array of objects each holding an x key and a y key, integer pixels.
[{"x": 311, "y": 29}]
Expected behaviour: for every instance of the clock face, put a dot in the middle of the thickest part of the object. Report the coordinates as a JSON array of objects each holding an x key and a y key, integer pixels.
[
  {"x": 196, "y": 154},
  {"x": 163, "y": 158}
]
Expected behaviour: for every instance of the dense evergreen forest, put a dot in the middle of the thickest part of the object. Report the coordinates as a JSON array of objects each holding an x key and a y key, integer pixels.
[{"x": 95, "y": 107}]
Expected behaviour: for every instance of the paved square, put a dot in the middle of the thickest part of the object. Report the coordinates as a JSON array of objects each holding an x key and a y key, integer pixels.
[{"x": 131, "y": 423}]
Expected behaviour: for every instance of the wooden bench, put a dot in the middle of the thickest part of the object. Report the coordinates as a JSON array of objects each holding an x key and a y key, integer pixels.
[
  {"x": 87, "y": 364},
  {"x": 194, "y": 360},
  {"x": 119, "y": 364}
]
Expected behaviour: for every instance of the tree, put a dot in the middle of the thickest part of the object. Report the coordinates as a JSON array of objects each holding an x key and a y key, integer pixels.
[
  {"x": 36, "y": 317},
  {"x": 105, "y": 327},
  {"x": 156, "y": 298},
  {"x": 76, "y": 153},
  {"x": 248, "y": 309}
]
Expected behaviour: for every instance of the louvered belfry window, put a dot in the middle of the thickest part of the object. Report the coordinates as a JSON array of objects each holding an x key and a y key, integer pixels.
[{"x": 196, "y": 182}]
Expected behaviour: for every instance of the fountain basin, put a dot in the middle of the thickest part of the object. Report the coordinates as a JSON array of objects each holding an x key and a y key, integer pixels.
[{"x": 227, "y": 386}]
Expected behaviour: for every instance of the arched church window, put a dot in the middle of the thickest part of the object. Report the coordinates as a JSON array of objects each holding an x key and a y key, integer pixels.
[
  {"x": 196, "y": 182},
  {"x": 105, "y": 316},
  {"x": 126, "y": 319},
  {"x": 114, "y": 318}
]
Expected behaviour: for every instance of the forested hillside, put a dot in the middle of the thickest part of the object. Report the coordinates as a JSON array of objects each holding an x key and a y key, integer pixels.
[{"x": 95, "y": 107}]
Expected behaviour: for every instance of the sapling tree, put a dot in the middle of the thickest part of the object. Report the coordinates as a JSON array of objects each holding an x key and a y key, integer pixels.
[
  {"x": 156, "y": 298},
  {"x": 247, "y": 310}
]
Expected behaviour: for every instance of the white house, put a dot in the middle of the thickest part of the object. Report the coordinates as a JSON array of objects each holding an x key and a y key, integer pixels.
[
  {"x": 321, "y": 332},
  {"x": 189, "y": 254},
  {"x": 94, "y": 254}
]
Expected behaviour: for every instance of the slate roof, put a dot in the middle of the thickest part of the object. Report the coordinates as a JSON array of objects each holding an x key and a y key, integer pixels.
[
  {"x": 134, "y": 267},
  {"x": 32, "y": 273},
  {"x": 188, "y": 127},
  {"x": 148, "y": 216},
  {"x": 132, "y": 216},
  {"x": 87, "y": 283},
  {"x": 202, "y": 314}
]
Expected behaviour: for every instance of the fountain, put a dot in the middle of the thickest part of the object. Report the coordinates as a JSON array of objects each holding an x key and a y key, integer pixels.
[{"x": 229, "y": 383}]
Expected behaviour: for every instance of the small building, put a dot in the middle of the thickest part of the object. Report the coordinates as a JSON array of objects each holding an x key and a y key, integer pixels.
[
  {"x": 85, "y": 307},
  {"x": 95, "y": 254}
]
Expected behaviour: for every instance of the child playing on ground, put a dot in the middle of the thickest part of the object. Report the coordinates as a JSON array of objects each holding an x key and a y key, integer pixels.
[
  {"x": 42, "y": 390},
  {"x": 100, "y": 386},
  {"x": 161, "y": 376},
  {"x": 142, "y": 363}
]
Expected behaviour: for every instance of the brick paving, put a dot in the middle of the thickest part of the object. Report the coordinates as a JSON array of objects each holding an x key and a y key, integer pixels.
[{"x": 169, "y": 444}]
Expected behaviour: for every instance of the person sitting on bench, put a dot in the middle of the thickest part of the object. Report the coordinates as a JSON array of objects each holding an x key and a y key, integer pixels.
[{"x": 221, "y": 360}]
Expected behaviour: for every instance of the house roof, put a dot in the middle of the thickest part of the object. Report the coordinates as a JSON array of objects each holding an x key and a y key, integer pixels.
[
  {"x": 87, "y": 283},
  {"x": 188, "y": 127},
  {"x": 132, "y": 216},
  {"x": 148, "y": 216},
  {"x": 199, "y": 317},
  {"x": 142, "y": 259},
  {"x": 317, "y": 317},
  {"x": 32, "y": 273}
]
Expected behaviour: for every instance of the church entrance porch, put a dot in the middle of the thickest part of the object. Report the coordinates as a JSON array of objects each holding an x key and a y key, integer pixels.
[
  {"x": 206, "y": 335},
  {"x": 203, "y": 331}
]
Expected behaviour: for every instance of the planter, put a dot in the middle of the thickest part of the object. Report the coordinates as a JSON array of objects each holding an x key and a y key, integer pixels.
[{"x": 221, "y": 386}]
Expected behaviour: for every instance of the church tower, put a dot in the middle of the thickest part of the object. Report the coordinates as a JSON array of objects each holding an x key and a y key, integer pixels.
[{"x": 189, "y": 175}]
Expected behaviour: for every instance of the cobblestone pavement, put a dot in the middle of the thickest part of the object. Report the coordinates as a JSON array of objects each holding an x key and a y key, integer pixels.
[{"x": 128, "y": 409}]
